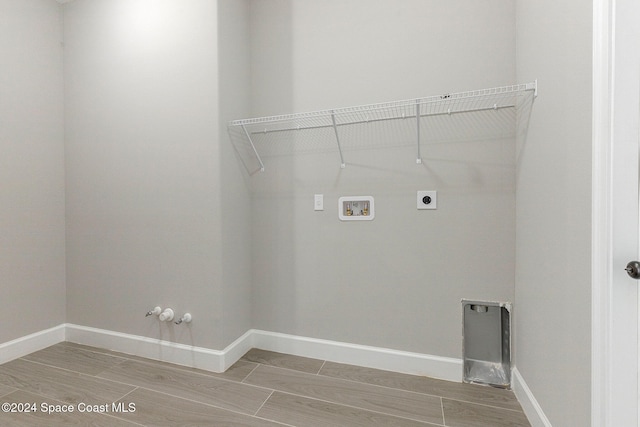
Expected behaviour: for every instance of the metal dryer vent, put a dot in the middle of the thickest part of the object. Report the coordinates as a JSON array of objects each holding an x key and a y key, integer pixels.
[{"x": 486, "y": 343}]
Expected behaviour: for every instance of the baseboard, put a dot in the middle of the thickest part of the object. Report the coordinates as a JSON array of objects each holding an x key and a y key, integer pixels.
[
  {"x": 22, "y": 346},
  {"x": 445, "y": 368},
  {"x": 156, "y": 349},
  {"x": 530, "y": 405},
  {"x": 220, "y": 360}
]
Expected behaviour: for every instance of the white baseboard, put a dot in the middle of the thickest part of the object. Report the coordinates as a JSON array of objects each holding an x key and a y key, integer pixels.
[
  {"x": 22, "y": 346},
  {"x": 530, "y": 405},
  {"x": 220, "y": 360},
  {"x": 156, "y": 349},
  {"x": 445, "y": 368}
]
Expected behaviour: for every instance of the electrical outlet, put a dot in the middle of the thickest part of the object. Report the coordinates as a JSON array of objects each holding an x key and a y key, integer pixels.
[
  {"x": 318, "y": 202},
  {"x": 427, "y": 200}
]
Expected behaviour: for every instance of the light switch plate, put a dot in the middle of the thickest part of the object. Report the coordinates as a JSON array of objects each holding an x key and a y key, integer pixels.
[
  {"x": 318, "y": 202},
  {"x": 427, "y": 200}
]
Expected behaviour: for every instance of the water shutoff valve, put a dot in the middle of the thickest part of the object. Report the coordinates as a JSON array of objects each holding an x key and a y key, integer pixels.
[
  {"x": 156, "y": 311},
  {"x": 166, "y": 315}
]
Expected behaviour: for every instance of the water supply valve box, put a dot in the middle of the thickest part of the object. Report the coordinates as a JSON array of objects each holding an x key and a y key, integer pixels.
[{"x": 356, "y": 208}]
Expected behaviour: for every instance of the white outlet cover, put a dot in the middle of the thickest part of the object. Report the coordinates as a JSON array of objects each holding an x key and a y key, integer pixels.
[{"x": 430, "y": 197}]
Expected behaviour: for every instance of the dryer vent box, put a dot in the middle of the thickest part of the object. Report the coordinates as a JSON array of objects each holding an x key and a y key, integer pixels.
[{"x": 487, "y": 343}]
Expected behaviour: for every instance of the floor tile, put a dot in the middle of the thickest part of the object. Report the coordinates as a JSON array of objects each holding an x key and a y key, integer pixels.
[
  {"x": 157, "y": 409},
  {"x": 96, "y": 349},
  {"x": 59, "y": 384},
  {"x": 280, "y": 360},
  {"x": 365, "y": 396},
  {"x": 236, "y": 372},
  {"x": 262, "y": 389},
  {"x": 189, "y": 385},
  {"x": 302, "y": 411},
  {"x": 4, "y": 390},
  {"x": 464, "y": 414},
  {"x": 37, "y": 418},
  {"x": 453, "y": 390},
  {"x": 75, "y": 359}
]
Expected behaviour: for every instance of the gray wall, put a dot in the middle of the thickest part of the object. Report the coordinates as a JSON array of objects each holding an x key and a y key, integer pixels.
[
  {"x": 158, "y": 206},
  {"x": 234, "y": 102},
  {"x": 144, "y": 223},
  {"x": 396, "y": 281},
  {"x": 32, "y": 257},
  {"x": 553, "y": 264}
]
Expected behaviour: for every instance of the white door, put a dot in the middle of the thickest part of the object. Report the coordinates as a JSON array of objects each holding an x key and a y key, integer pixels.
[{"x": 616, "y": 90}]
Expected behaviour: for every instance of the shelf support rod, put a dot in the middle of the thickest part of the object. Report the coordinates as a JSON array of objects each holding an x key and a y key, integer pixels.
[
  {"x": 335, "y": 129},
  {"x": 419, "y": 158},
  {"x": 254, "y": 148}
]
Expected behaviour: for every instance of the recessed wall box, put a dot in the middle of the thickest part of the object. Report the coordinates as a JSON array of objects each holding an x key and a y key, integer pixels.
[
  {"x": 486, "y": 343},
  {"x": 356, "y": 208}
]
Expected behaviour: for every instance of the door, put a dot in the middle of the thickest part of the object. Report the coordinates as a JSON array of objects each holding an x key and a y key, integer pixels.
[{"x": 616, "y": 96}]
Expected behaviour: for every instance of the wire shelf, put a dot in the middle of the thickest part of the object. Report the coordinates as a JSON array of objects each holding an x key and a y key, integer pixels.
[{"x": 480, "y": 114}]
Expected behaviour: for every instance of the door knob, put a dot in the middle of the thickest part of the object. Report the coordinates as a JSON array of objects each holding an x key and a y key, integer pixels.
[{"x": 633, "y": 269}]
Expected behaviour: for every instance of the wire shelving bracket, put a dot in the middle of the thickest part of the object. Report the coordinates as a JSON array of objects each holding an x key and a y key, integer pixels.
[{"x": 246, "y": 134}]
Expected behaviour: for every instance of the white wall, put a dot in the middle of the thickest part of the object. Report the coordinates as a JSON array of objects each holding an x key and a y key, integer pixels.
[
  {"x": 144, "y": 224},
  {"x": 397, "y": 281},
  {"x": 553, "y": 264},
  {"x": 32, "y": 257}
]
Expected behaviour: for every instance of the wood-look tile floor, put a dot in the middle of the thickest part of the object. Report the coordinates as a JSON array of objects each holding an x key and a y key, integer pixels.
[{"x": 106, "y": 388}]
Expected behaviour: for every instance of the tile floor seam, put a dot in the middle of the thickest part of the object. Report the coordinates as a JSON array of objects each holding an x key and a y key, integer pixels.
[
  {"x": 247, "y": 376},
  {"x": 444, "y": 420},
  {"x": 484, "y": 404},
  {"x": 50, "y": 366},
  {"x": 265, "y": 401},
  {"x": 198, "y": 402},
  {"x": 280, "y": 367},
  {"x": 206, "y": 375},
  {"x": 419, "y": 392},
  {"x": 104, "y": 370},
  {"x": 105, "y": 352},
  {"x": 363, "y": 383},
  {"x": 423, "y": 393},
  {"x": 82, "y": 374},
  {"x": 168, "y": 394},
  {"x": 274, "y": 421},
  {"x": 79, "y": 374},
  {"x": 321, "y": 366},
  {"x": 12, "y": 390},
  {"x": 127, "y": 394},
  {"x": 358, "y": 407}
]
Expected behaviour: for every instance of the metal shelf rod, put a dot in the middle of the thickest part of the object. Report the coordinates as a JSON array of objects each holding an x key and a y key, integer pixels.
[
  {"x": 418, "y": 159},
  {"x": 335, "y": 129},
  {"x": 254, "y": 148}
]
